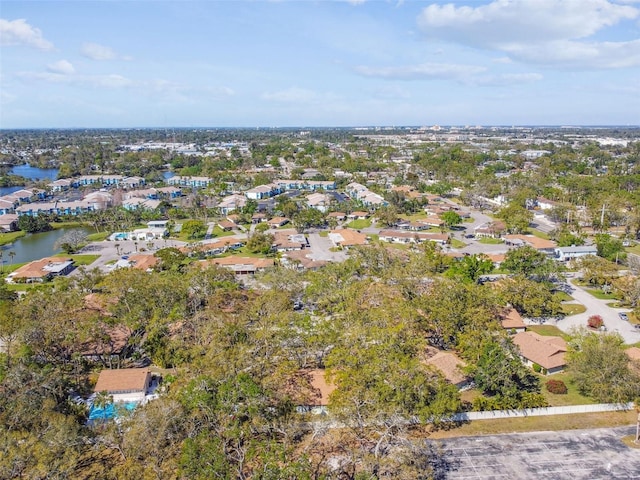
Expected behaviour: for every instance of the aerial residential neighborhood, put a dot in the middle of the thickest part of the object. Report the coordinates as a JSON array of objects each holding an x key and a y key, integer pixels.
[
  {"x": 320, "y": 240},
  {"x": 157, "y": 268}
]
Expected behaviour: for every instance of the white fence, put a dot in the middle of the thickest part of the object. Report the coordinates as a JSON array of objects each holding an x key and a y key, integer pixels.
[{"x": 535, "y": 412}]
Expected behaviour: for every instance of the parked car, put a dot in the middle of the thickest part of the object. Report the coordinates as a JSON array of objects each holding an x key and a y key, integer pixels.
[{"x": 624, "y": 316}]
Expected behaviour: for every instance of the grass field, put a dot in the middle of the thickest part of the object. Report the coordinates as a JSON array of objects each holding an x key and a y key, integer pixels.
[
  {"x": 80, "y": 259},
  {"x": 635, "y": 249},
  {"x": 490, "y": 241},
  {"x": 601, "y": 295},
  {"x": 547, "y": 331},
  {"x": 11, "y": 237},
  {"x": 539, "y": 234},
  {"x": 572, "y": 397},
  {"x": 97, "y": 237},
  {"x": 455, "y": 243},
  {"x": 569, "y": 309},
  {"x": 359, "y": 224},
  {"x": 218, "y": 232},
  {"x": 540, "y": 424}
]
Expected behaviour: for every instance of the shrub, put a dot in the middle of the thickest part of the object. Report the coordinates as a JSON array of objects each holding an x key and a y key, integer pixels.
[
  {"x": 537, "y": 368},
  {"x": 595, "y": 321},
  {"x": 556, "y": 386}
]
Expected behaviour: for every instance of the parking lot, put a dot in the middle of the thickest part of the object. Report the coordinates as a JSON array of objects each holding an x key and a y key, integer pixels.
[{"x": 577, "y": 454}]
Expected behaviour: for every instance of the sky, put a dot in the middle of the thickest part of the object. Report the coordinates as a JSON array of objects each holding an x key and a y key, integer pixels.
[{"x": 261, "y": 63}]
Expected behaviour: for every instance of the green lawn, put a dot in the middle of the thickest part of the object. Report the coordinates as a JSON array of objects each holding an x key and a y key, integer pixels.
[
  {"x": 569, "y": 309},
  {"x": 455, "y": 243},
  {"x": 547, "y": 331},
  {"x": 359, "y": 224},
  {"x": 601, "y": 295},
  {"x": 218, "y": 232},
  {"x": 98, "y": 237},
  {"x": 573, "y": 397},
  {"x": 10, "y": 237},
  {"x": 635, "y": 249},
  {"x": 539, "y": 234},
  {"x": 324, "y": 233},
  {"x": 57, "y": 225},
  {"x": 80, "y": 259},
  {"x": 490, "y": 241}
]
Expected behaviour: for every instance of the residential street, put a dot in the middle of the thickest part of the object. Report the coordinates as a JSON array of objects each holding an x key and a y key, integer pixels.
[{"x": 599, "y": 307}]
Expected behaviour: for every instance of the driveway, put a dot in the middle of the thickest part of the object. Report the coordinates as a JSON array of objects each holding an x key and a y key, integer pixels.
[
  {"x": 596, "y": 306},
  {"x": 321, "y": 249}
]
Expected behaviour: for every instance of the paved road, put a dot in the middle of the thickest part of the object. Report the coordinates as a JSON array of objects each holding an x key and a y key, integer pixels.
[
  {"x": 565, "y": 455},
  {"x": 599, "y": 307}
]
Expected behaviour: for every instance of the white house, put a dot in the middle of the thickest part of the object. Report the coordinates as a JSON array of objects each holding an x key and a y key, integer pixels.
[
  {"x": 565, "y": 254},
  {"x": 125, "y": 385}
]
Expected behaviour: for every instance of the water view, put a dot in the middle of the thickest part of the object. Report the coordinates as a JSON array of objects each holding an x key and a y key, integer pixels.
[
  {"x": 34, "y": 246},
  {"x": 34, "y": 173}
]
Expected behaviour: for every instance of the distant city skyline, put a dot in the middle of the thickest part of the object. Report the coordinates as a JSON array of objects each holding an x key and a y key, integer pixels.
[{"x": 127, "y": 64}]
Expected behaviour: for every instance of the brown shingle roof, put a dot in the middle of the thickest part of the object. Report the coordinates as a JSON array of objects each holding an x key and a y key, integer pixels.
[
  {"x": 547, "y": 352},
  {"x": 511, "y": 319},
  {"x": 448, "y": 363},
  {"x": 124, "y": 380}
]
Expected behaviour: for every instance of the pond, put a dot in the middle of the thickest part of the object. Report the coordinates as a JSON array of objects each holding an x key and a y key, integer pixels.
[
  {"x": 34, "y": 246},
  {"x": 27, "y": 171}
]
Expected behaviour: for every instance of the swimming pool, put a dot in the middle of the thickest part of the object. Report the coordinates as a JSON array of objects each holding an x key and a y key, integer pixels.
[{"x": 111, "y": 411}]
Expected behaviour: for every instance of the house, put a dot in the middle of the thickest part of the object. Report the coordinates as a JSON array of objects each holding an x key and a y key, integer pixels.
[
  {"x": 310, "y": 185},
  {"x": 492, "y": 229},
  {"x": 61, "y": 185},
  {"x": 124, "y": 385},
  {"x": 319, "y": 201},
  {"x": 339, "y": 216},
  {"x": 317, "y": 399},
  {"x": 242, "y": 265},
  {"x": 548, "y": 352},
  {"x": 298, "y": 260},
  {"x": 511, "y": 321},
  {"x": 41, "y": 270},
  {"x": 347, "y": 238},
  {"x": 227, "y": 225},
  {"x": 263, "y": 191},
  {"x": 403, "y": 236},
  {"x": 358, "y": 215},
  {"x": 7, "y": 206},
  {"x": 140, "y": 204},
  {"x": 132, "y": 182},
  {"x": 288, "y": 240},
  {"x": 109, "y": 345},
  {"x": 143, "y": 262},
  {"x": 258, "y": 218},
  {"x": 565, "y": 254},
  {"x": 449, "y": 365},
  {"x": 232, "y": 203},
  {"x": 193, "y": 182},
  {"x": 540, "y": 244},
  {"x": 433, "y": 221},
  {"x": 9, "y": 222},
  {"x": 277, "y": 222}
]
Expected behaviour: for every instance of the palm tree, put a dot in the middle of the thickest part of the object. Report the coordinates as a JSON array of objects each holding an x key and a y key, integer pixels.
[
  {"x": 1, "y": 262},
  {"x": 101, "y": 401},
  {"x": 117, "y": 245},
  {"x": 11, "y": 255}
]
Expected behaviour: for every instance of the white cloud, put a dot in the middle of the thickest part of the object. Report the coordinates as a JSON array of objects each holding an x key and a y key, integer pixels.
[
  {"x": 391, "y": 92},
  {"x": 506, "y": 79},
  {"x": 356, "y": 2},
  {"x": 96, "y": 81},
  {"x": 6, "y": 98},
  {"x": 421, "y": 72},
  {"x": 19, "y": 32},
  {"x": 62, "y": 67},
  {"x": 291, "y": 95},
  {"x": 95, "y": 51},
  {"x": 547, "y": 32}
]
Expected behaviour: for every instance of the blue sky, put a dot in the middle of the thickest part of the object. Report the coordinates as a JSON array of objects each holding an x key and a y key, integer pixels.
[{"x": 319, "y": 63}]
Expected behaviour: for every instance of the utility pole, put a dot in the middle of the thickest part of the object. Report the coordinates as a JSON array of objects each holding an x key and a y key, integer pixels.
[{"x": 602, "y": 218}]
